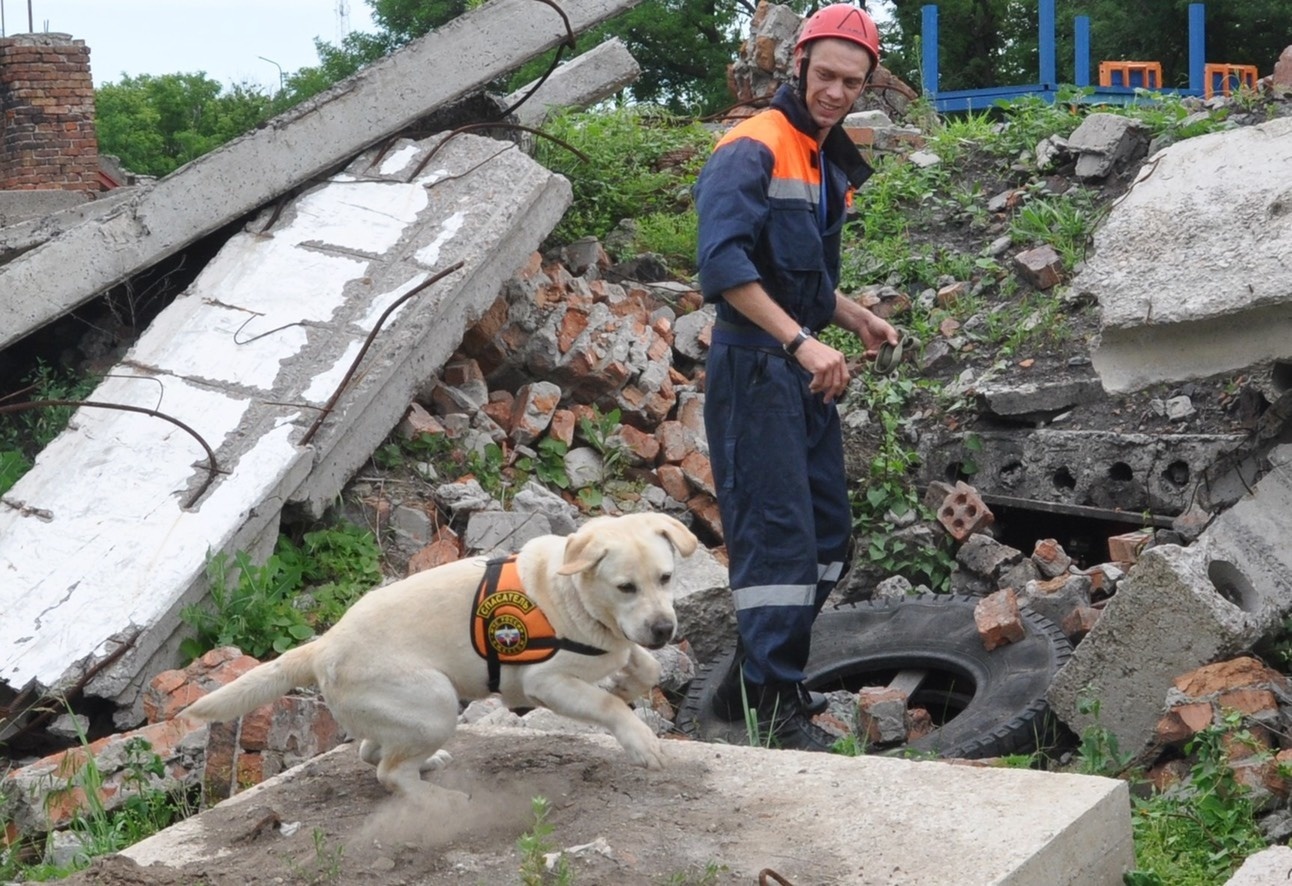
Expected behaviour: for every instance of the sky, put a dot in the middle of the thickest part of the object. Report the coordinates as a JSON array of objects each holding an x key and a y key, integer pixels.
[{"x": 226, "y": 39}]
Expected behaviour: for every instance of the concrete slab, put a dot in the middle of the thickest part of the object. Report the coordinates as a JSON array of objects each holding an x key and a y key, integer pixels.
[
  {"x": 104, "y": 541},
  {"x": 1190, "y": 299},
  {"x": 1248, "y": 544},
  {"x": 584, "y": 80},
  {"x": 812, "y": 818},
  {"x": 319, "y": 135}
]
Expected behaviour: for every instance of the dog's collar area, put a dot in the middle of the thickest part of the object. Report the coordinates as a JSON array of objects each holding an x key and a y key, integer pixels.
[{"x": 507, "y": 627}]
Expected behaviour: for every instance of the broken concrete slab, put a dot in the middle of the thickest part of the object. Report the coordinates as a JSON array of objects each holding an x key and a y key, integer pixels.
[
  {"x": 1169, "y": 615},
  {"x": 18, "y": 206},
  {"x": 812, "y": 818},
  {"x": 1190, "y": 299},
  {"x": 1031, "y": 400},
  {"x": 293, "y": 148},
  {"x": 100, "y": 560},
  {"x": 1103, "y": 142},
  {"x": 1248, "y": 543},
  {"x": 583, "y": 81}
]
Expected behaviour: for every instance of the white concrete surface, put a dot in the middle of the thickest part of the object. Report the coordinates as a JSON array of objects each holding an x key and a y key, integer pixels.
[
  {"x": 1193, "y": 266},
  {"x": 813, "y": 818}
]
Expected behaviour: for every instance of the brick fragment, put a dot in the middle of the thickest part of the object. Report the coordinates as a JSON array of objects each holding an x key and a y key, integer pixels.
[{"x": 999, "y": 619}]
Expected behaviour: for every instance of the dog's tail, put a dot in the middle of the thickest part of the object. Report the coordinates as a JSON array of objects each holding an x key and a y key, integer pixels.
[{"x": 260, "y": 685}]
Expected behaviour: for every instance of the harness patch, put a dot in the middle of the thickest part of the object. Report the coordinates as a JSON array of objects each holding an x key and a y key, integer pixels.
[
  {"x": 507, "y": 627},
  {"x": 508, "y": 622}
]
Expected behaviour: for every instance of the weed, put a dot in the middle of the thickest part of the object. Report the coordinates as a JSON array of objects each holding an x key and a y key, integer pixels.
[
  {"x": 708, "y": 876},
  {"x": 852, "y": 745},
  {"x": 260, "y": 610},
  {"x": 887, "y": 493},
  {"x": 1065, "y": 222},
  {"x": 25, "y": 433},
  {"x": 338, "y": 563},
  {"x": 641, "y": 160},
  {"x": 1197, "y": 835},
  {"x": 326, "y": 867},
  {"x": 670, "y": 235},
  {"x": 1098, "y": 753},
  {"x": 548, "y": 464},
  {"x": 535, "y": 847},
  {"x": 146, "y": 810}
]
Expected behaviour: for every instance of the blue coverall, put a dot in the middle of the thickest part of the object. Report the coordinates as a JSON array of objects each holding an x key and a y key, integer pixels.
[{"x": 776, "y": 449}]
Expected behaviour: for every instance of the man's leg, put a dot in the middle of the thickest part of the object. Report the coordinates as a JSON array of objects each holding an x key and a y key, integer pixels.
[{"x": 759, "y": 452}]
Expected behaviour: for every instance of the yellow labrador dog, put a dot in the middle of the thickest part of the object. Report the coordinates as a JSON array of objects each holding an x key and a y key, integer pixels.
[{"x": 394, "y": 667}]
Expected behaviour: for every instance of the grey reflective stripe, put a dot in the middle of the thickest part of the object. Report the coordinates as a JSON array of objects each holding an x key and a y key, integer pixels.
[
  {"x": 792, "y": 189},
  {"x": 829, "y": 572},
  {"x": 759, "y": 596}
]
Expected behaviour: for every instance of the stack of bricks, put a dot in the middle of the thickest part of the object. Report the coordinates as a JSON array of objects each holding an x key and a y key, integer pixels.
[{"x": 47, "y": 139}]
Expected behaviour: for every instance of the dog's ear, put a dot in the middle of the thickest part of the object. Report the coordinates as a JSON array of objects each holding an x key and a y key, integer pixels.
[
  {"x": 581, "y": 553},
  {"x": 678, "y": 535}
]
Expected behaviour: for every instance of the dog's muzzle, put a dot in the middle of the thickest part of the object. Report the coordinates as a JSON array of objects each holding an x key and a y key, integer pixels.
[{"x": 661, "y": 632}]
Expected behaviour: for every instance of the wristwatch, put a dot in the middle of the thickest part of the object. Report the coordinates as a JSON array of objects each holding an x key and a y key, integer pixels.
[{"x": 797, "y": 342}]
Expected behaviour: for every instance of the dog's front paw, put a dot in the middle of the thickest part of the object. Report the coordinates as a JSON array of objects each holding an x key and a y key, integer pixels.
[{"x": 644, "y": 747}]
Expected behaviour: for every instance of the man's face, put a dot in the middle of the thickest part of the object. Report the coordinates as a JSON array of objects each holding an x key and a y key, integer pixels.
[{"x": 837, "y": 72}]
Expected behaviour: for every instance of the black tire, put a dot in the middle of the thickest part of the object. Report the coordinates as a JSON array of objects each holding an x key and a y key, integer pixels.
[{"x": 984, "y": 704}]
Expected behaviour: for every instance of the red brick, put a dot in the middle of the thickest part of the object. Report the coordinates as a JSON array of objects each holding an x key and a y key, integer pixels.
[
  {"x": 673, "y": 482},
  {"x": 963, "y": 512},
  {"x": 998, "y": 619}
]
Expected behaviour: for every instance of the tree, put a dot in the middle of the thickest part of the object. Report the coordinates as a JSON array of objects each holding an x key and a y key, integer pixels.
[
  {"x": 155, "y": 124},
  {"x": 986, "y": 43},
  {"x": 683, "y": 46}
]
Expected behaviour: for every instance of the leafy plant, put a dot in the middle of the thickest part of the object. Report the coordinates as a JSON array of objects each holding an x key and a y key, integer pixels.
[
  {"x": 1198, "y": 835},
  {"x": 23, "y": 434},
  {"x": 1098, "y": 753},
  {"x": 549, "y": 464},
  {"x": 146, "y": 810},
  {"x": 338, "y": 564},
  {"x": 253, "y": 612},
  {"x": 639, "y": 160},
  {"x": 260, "y": 610},
  {"x": 535, "y": 845},
  {"x": 888, "y": 490},
  {"x": 598, "y": 430},
  {"x": 1064, "y": 222}
]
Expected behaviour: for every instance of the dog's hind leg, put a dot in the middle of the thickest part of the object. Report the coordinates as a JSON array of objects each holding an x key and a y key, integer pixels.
[
  {"x": 370, "y": 753},
  {"x": 407, "y": 727}
]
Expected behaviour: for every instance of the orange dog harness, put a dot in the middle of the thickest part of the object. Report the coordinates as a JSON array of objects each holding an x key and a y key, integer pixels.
[{"x": 507, "y": 627}]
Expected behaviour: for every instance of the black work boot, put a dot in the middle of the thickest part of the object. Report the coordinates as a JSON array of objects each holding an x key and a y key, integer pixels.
[
  {"x": 812, "y": 702},
  {"x": 729, "y": 698},
  {"x": 783, "y": 721}
]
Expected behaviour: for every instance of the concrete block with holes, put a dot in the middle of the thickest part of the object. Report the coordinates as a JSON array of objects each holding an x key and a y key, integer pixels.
[{"x": 1176, "y": 610}]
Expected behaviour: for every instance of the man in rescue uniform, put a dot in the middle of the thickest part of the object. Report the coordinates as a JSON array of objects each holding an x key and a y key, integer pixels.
[{"x": 771, "y": 202}]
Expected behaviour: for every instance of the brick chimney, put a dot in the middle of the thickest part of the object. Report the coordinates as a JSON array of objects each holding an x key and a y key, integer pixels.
[{"x": 47, "y": 139}]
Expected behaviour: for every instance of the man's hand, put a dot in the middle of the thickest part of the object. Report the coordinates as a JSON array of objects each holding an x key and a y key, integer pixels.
[
  {"x": 874, "y": 331},
  {"x": 829, "y": 368}
]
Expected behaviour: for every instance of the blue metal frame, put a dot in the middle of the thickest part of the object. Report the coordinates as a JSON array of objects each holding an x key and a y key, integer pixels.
[{"x": 1047, "y": 88}]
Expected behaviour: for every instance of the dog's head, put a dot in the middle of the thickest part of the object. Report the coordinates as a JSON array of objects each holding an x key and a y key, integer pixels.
[{"x": 622, "y": 568}]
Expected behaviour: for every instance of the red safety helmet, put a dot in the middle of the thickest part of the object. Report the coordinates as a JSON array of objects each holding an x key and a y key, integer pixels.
[{"x": 845, "y": 22}]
